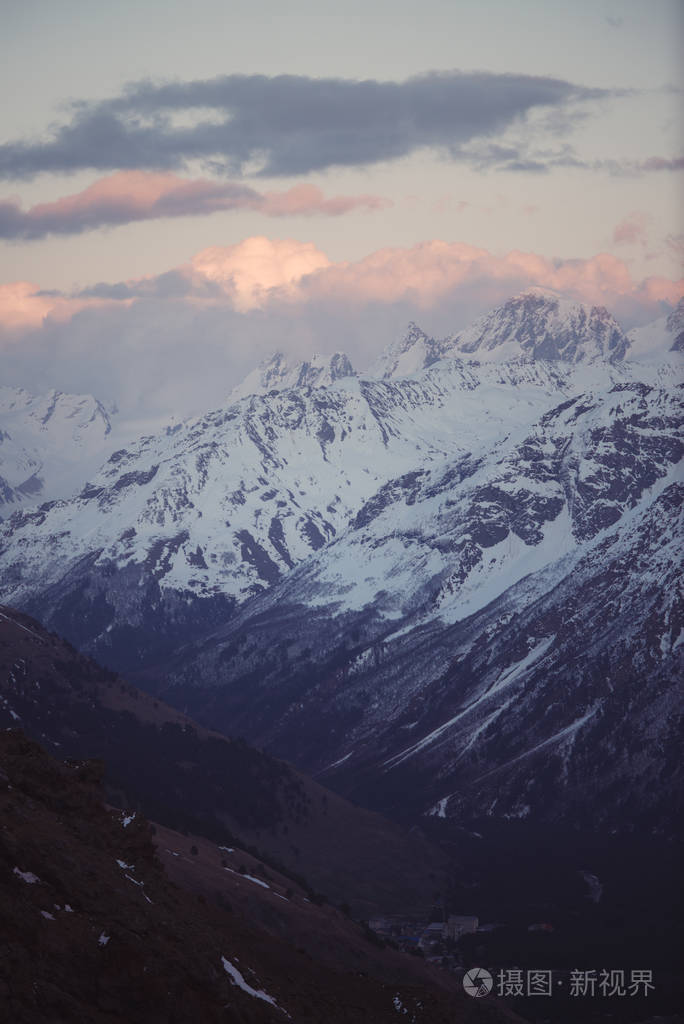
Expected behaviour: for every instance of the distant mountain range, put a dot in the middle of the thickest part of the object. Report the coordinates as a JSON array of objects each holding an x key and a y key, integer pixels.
[{"x": 450, "y": 586}]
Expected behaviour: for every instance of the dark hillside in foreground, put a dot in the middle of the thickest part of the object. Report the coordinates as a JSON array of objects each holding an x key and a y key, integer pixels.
[
  {"x": 159, "y": 762},
  {"x": 92, "y": 929}
]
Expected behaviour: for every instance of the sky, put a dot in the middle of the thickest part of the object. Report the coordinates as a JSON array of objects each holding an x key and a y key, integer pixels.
[{"x": 185, "y": 188}]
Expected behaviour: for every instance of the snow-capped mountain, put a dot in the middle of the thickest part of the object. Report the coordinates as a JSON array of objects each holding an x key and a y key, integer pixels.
[
  {"x": 413, "y": 352},
  {"x": 327, "y": 568},
  {"x": 481, "y": 621},
  {"x": 536, "y": 325},
  {"x": 542, "y": 326},
  {"x": 222, "y": 507},
  {"x": 278, "y": 372},
  {"x": 48, "y": 444}
]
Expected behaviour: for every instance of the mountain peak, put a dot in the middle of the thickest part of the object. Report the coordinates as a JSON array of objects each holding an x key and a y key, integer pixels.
[
  {"x": 413, "y": 351},
  {"x": 539, "y": 324},
  {"x": 277, "y": 372}
]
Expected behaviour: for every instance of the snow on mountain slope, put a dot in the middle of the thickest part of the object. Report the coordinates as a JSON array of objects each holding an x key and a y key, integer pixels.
[
  {"x": 278, "y": 373},
  {"x": 224, "y": 506},
  {"x": 558, "y": 699},
  {"x": 445, "y": 539},
  {"x": 660, "y": 340},
  {"x": 409, "y": 354},
  {"x": 48, "y": 444},
  {"x": 459, "y": 533},
  {"x": 540, "y": 702}
]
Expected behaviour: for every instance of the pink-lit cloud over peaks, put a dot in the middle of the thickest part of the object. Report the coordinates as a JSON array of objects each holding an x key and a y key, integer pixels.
[
  {"x": 291, "y": 277},
  {"x": 128, "y": 196},
  {"x": 428, "y": 273},
  {"x": 256, "y": 269}
]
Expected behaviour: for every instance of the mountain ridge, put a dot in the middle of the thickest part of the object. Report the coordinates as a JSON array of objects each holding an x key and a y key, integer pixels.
[{"x": 281, "y": 563}]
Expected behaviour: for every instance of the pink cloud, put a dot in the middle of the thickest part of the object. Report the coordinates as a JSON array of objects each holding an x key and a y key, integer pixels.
[
  {"x": 278, "y": 274},
  {"x": 308, "y": 199},
  {"x": 428, "y": 273},
  {"x": 632, "y": 230},
  {"x": 659, "y": 289},
  {"x": 128, "y": 196},
  {"x": 252, "y": 271},
  {"x": 24, "y": 305}
]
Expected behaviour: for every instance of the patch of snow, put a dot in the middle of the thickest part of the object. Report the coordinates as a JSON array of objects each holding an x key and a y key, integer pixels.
[
  {"x": 103, "y": 939},
  {"x": 47, "y": 915},
  {"x": 25, "y": 628},
  {"x": 238, "y": 979},
  {"x": 258, "y": 881},
  {"x": 26, "y": 876},
  {"x": 439, "y": 810},
  {"x": 123, "y": 864},
  {"x": 126, "y": 819},
  {"x": 340, "y": 761}
]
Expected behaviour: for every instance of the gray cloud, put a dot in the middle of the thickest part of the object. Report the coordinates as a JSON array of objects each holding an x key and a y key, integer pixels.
[{"x": 291, "y": 124}]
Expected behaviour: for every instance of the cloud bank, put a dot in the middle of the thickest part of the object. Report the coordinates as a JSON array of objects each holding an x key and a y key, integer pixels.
[
  {"x": 290, "y": 124},
  {"x": 178, "y": 342},
  {"x": 287, "y": 276}
]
